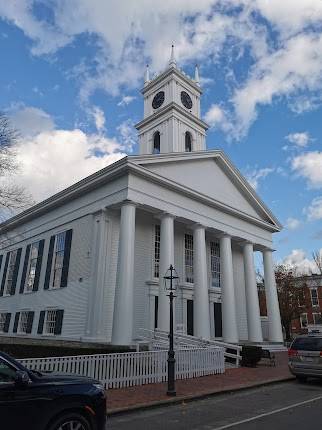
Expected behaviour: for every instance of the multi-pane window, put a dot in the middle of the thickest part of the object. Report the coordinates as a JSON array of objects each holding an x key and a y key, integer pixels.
[
  {"x": 32, "y": 266},
  {"x": 11, "y": 268},
  {"x": 50, "y": 321},
  {"x": 303, "y": 320},
  {"x": 215, "y": 264},
  {"x": 314, "y": 297},
  {"x": 23, "y": 322},
  {"x": 317, "y": 318},
  {"x": 58, "y": 259},
  {"x": 3, "y": 317},
  {"x": 157, "y": 251},
  {"x": 188, "y": 257}
]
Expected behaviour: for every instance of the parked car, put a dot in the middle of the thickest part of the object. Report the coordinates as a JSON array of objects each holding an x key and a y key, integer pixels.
[
  {"x": 305, "y": 357},
  {"x": 33, "y": 400}
]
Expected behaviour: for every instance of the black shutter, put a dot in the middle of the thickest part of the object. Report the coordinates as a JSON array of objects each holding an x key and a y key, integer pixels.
[
  {"x": 190, "y": 317},
  {"x": 38, "y": 265},
  {"x": 41, "y": 322},
  {"x": 4, "y": 275},
  {"x": 30, "y": 321},
  {"x": 7, "y": 323},
  {"x": 156, "y": 308},
  {"x": 68, "y": 244},
  {"x": 218, "y": 319},
  {"x": 1, "y": 258},
  {"x": 15, "y": 325},
  {"x": 15, "y": 272},
  {"x": 59, "y": 321},
  {"x": 49, "y": 262},
  {"x": 24, "y": 270}
]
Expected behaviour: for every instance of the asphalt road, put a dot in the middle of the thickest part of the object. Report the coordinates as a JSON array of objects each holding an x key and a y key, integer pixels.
[{"x": 279, "y": 407}]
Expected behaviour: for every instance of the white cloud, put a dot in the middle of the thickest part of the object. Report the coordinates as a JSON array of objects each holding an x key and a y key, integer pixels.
[
  {"x": 299, "y": 261},
  {"x": 99, "y": 118},
  {"x": 51, "y": 159},
  {"x": 300, "y": 140},
  {"x": 126, "y": 100},
  {"x": 309, "y": 166},
  {"x": 217, "y": 118},
  {"x": 128, "y": 135},
  {"x": 292, "y": 223},
  {"x": 254, "y": 176},
  {"x": 314, "y": 211},
  {"x": 30, "y": 121}
]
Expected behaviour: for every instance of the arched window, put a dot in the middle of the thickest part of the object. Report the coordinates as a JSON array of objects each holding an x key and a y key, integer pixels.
[
  {"x": 156, "y": 143},
  {"x": 188, "y": 142}
]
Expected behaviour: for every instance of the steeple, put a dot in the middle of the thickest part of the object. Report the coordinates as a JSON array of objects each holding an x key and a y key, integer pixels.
[
  {"x": 172, "y": 62},
  {"x": 147, "y": 75},
  {"x": 197, "y": 79}
]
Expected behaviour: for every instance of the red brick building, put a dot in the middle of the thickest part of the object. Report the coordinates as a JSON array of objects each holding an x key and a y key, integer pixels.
[{"x": 311, "y": 308}]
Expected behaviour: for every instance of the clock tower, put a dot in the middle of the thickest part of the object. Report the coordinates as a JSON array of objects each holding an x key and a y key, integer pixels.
[{"x": 171, "y": 120}]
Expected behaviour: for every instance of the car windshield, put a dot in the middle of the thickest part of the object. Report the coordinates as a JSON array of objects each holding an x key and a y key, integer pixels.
[{"x": 308, "y": 344}]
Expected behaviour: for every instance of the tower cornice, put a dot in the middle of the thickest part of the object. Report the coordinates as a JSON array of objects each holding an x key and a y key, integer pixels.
[
  {"x": 165, "y": 74},
  {"x": 169, "y": 107}
]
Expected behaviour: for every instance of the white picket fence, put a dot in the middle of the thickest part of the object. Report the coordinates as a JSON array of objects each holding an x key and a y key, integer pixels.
[{"x": 134, "y": 368}]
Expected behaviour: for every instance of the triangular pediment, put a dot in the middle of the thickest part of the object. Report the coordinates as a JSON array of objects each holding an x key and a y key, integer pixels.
[{"x": 212, "y": 175}]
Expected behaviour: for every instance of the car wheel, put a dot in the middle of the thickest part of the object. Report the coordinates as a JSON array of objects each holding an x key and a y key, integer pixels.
[
  {"x": 301, "y": 379},
  {"x": 71, "y": 421}
]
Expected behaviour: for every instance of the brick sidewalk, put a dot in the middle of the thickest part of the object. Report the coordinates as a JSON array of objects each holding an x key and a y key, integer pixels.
[{"x": 233, "y": 379}]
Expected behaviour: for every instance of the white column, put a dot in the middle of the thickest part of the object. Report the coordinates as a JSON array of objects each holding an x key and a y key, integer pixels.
[
  {"x": 123, "y": 303},
  {"x": 252, "y": 302},
  {"x": 201, "y": 319},
  {"x": 229, "y": 321},
  {"x": 166, "y": 259},
  {"x": 273, "y": 310}
]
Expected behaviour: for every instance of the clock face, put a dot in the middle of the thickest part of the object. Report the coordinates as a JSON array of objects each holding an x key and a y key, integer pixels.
[
  {"x": 186, "y": 100},
  {"x": 158, "y": 99}
]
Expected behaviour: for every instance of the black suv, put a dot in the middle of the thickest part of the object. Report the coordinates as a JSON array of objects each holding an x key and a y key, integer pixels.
[{"x": 33, "y": 400}]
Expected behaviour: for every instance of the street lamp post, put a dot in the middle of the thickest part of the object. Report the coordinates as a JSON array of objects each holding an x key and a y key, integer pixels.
[{"x": 171, "y": 275}]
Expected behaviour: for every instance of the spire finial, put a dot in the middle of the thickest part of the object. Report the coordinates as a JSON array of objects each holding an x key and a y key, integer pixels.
[
  {"x": 172, "y": 62},
  {"x": 197, "y": 79},
  {"x": 147, "y": 75}
]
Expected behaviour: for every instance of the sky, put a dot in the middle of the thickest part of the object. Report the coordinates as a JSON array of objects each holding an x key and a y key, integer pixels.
[{"x": 71, "y": 73}]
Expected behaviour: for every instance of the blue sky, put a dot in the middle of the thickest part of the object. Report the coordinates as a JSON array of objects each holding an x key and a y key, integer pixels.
[{"x": 71, "y": 72}]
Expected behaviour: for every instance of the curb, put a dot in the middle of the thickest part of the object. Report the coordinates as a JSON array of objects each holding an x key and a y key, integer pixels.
[{"x": 189, "y": 398}]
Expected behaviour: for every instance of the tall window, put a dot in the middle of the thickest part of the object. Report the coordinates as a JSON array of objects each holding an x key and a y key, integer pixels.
[
  {"x": 188, "y": 257},
  {"x": 187, "y": 142},
  {"x": 3, "y": 318},
  {"x": 303, "y": 320},
  {"x": 11, "y": 268},
  {"x": 32, "y": 266},
  {"x": 50, "y": 322},
  {"x": 215, "y": 264},
  {"x": 314, "y": 297},
  {"x": 23, "y": 322},
  {"x": 317, "y": 318},
  {"x": 58, "y": 259},
  {"x": 157, "y": 251},
  {"x": 156, "y": 143}
]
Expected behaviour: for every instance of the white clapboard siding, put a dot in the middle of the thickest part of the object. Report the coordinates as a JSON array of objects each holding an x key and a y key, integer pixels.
[{"x": 134, "y": 368}]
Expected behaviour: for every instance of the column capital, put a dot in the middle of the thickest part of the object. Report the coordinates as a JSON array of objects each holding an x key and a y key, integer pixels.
[
  {"x": 197, "y": 226},
  {"x": 267, "y": 249},
  {"x": 164, "y": 215},
  {"x": 224, "y": 234},
  {"x": 128, "y": 203}
]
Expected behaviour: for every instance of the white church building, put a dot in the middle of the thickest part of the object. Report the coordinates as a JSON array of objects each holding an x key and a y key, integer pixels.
[{"x": 87, "y": 264}]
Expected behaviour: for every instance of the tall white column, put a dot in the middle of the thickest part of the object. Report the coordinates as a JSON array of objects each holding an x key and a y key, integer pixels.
[
  {"x": 201, "y": 318},
  {"x": 275, "y": 332},
  {"x": 166, "y": 259},
  {"x": 252, "y": 302},
  {"x": 123, "y": 303},
  {"x": 229, "y": 321}
]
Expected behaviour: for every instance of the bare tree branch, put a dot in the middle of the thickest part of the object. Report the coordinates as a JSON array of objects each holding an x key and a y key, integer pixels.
[
  {"x": 317, "y": 257},
  {"x": 13, "y": 197}
]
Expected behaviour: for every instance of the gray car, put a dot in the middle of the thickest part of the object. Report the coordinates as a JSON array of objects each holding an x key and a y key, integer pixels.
[{"x": 305, "y": 357}]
